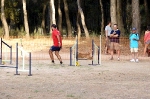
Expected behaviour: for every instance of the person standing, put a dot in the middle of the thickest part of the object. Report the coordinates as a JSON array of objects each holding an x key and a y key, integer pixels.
[
  {"x": 146, "y": 39},
  {"x": 134, "y": 38},
  {"x": 57, "y": 44},
  {"x": 107, "y": 36},
  {"x": 114, "y": 41}
]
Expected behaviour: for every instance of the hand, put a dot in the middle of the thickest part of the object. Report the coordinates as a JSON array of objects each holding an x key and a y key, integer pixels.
[
  {"x": 106, "y": 39},
  {"x": 59, "y": 44},
  {"x": 114, "y": 32},
  {"x": 134, "y": 38}
]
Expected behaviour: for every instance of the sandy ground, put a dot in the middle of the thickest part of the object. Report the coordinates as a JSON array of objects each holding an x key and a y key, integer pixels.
[{"x": 110, "y": 80}]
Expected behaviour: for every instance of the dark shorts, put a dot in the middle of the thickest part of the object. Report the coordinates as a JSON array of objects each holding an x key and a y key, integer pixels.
[
  {"x": 55, "y": 48},
  {"x": 148, "y": 42}
]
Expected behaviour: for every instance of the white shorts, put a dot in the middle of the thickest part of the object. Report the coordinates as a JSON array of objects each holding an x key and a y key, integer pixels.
[{"x": 134, "y": 50}]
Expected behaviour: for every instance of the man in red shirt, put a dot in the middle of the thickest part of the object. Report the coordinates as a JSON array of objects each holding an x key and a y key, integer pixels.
[{"x": 57, "y": 44}]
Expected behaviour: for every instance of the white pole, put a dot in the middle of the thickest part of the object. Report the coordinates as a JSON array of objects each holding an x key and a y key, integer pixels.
[{"x": 23, "y": 60}]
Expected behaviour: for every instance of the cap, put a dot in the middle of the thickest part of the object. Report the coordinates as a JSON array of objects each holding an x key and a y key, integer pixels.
[
  {"x": 133, "y": 29},
  {"x": 53, "y": 25}
]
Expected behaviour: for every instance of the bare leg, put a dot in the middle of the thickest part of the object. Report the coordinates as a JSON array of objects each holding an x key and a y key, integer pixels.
[
  {"x": 112, "y": 50},
  {"x": 51, "y": 55},
  {"x": 118, "y": 53},
  {"x": 132, "y": 53},
  {"x": 136, "y": 55},
  {"x": 106, "y": 50},
  {"x": 145, "y": 48},
  {"x": 112, "y": 53},
  {"x": 58, "y": 56}
]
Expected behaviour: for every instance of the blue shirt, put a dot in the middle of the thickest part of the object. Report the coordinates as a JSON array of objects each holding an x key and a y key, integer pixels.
[{"x": 133, "y": 42}]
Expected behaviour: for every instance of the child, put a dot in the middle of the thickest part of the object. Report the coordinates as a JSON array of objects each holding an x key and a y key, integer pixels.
[{"x": 134, "y": 38}]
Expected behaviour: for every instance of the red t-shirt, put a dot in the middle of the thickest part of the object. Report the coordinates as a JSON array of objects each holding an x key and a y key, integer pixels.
[{"x": 55, "y": 32}]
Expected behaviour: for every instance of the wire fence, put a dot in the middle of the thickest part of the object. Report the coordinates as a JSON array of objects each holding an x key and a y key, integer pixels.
[{"x": 39, "y": 47}]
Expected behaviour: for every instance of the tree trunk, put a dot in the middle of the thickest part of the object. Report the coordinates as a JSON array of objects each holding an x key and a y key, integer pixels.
[
  {"x": 78, "y": 27},
  {"x": 69, "y": 28},
  {"x": 119, "y": 17},
  {"x": 4, "y": 22},
  {"x": 83, "y": 20},
  {"x": 146, "y": 12},
  {"x": 113, "y": 12},
  {"x": 136, "y": 15},
  {"x": 59, "y": 17},
  {"x": 43, "y": 20},
  {"x": 50, "y": 16},
  {"x": 25, "y": 19},
  {"x": 102, "y": 21},
  {"x": 52, "y": 6}
]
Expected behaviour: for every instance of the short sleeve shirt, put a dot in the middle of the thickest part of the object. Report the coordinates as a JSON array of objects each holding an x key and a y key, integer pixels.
[
  {"x": 115, "y": 39},
  {"x": 56, "y": 33},
  {"x": 134, "y": 43},
  {"x": 108, "y": 28}
]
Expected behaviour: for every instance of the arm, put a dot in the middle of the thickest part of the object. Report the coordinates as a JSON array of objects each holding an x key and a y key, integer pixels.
[
  {"x": 58, "y": 37},
  {"x": 106, "y": 33},
  {"x": 114, "y": 34},
  {"x": 136, "y": 38}
]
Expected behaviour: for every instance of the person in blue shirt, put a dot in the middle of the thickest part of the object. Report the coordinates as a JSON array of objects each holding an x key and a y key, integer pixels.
[{"x": 134, "y": 38}]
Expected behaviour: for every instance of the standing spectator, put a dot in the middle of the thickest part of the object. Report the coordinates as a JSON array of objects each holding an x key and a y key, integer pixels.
[
  {"x": 146, "y": 39},
  {"x": 114, "y": 41},
  {"x": 134, "y": 38},
  {"x": 57, "y": 44},
  {"x": 107, "y": 35}
]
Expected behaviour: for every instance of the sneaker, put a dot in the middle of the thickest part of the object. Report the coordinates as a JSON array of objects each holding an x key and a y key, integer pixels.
[
  {"x": 61, "y": 62},
  {"x": 118, "y": 59},
  {"x": 137, "y": 60},
  {"x": 132, "y": 60},
  {"x": 52, "y": 63}
]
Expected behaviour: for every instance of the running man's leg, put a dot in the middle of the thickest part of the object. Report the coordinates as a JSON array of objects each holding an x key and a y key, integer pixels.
[
  {"x": 51, "y": 55},
  {"x": 58, "y": 56}
]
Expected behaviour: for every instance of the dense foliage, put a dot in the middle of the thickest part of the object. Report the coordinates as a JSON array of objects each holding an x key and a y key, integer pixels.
[{"x": 91, "y": 9}]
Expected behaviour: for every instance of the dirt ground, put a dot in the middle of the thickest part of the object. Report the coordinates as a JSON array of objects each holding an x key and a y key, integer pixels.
[{"x": 109, "y": 80}]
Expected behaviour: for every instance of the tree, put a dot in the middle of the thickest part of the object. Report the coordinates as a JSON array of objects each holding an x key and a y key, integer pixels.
[
  {"x": 136, "y": 15},
  {"x": 146, "y": 12},
  {"x": 69, "y": 28},
  {"x": 102, "y": 21},
  {"x": 78, "y": 27},
  {"x": 119, "y": 17},
  {"x": 59, "y": 17},
  {"x": 113, "y": 11},
  {"x": 25, "y": 19},
  {"x": 83, "y": 19},
  {"x": 43, "y": 17},
  {"x": 3, "y": 19},
  {"x": 52, "y": 6}
]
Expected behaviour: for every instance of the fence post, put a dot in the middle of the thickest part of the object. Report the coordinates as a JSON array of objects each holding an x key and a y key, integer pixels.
[
  {"x": 17, "y": 59},
  {"x": 10, "y": 54},
  {"x": 30, "y": 64},
  {"x": 1, "y": 52},
  {"x": 70, "y": 56}
]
